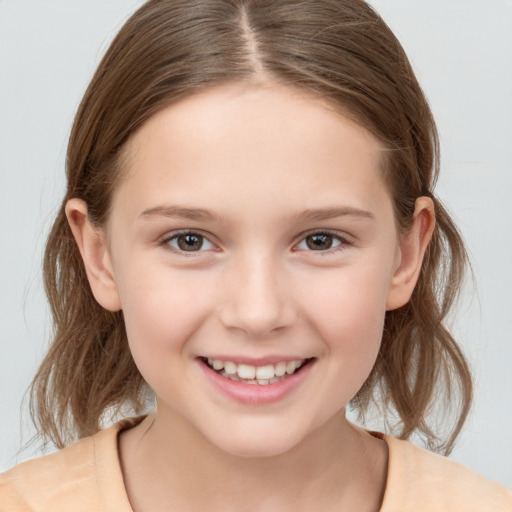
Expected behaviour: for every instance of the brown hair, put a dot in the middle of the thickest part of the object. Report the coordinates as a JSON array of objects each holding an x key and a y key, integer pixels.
[{"x": 340, "y": 50}]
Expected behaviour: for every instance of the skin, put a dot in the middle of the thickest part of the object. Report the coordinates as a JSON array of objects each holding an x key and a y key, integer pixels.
[{"x": 256, "y": 157}]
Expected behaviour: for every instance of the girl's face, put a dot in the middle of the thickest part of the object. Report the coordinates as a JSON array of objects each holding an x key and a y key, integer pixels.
[{"x": 253, "y": 230}]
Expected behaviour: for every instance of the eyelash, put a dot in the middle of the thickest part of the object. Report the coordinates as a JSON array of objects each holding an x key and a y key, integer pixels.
[
  {"x": 165, "y": 242},
  {"x": 343, "y": 242},
  {"x": 342, "y": 245}
]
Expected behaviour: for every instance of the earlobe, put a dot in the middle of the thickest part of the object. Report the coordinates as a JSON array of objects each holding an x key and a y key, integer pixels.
[
  {"x": 95, "y": 255},
  {"x": 413, "y": 246}
]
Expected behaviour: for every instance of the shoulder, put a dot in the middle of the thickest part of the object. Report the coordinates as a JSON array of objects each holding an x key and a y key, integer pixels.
[
  {"x": 47, "y": 480},
  {"x": 85, "y": 476},
  {"x": 423, "y": 481}
]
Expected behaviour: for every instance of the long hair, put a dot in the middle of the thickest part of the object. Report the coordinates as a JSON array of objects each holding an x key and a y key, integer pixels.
[{"x": 339, "y": 50}]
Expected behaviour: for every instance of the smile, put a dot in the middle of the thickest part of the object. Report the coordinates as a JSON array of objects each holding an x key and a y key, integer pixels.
[
  {"x": 260, "y": 375},
  {"x": 270, "y": 381}
]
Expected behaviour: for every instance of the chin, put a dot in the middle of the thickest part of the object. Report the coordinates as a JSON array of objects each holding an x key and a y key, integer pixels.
[
  {"x": 256, "y": 450},
  {"x": 254, "y": 443}
]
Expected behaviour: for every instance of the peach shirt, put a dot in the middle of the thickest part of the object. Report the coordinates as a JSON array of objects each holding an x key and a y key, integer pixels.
[{"x": 86, "y": 477}]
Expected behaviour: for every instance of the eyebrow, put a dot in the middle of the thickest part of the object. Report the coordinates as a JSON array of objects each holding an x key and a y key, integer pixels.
[
  {"x": 319, "y": 214},
  {"x": 311, "y": 215},
  {"x": 198, "y": 214}
]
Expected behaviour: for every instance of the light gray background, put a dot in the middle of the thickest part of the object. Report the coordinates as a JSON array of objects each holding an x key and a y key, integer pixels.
[{"x": 462, "y": 52}]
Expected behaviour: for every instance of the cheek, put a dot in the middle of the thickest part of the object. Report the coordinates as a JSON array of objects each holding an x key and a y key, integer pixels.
[
  {"x": 348, "y": 313},
  {"x": 162, "y": 309}
]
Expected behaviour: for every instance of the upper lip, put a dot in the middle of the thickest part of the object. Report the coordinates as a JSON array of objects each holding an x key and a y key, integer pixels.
[{"x": 254, "y": 361}]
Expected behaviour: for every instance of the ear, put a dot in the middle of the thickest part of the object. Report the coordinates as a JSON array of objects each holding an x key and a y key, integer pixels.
[
  {"x": 95, "y": 253},
  {"x": 412, "y": 250}
]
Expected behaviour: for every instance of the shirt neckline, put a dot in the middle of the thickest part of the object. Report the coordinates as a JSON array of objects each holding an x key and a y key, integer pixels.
[{"x": 121, "y": 497}]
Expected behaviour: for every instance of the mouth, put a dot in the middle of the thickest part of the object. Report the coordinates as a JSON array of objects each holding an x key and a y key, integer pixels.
[{"x": 263, "y": 375}]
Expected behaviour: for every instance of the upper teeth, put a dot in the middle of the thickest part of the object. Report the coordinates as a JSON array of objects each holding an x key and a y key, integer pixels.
[{"x": 247, "y": 371}]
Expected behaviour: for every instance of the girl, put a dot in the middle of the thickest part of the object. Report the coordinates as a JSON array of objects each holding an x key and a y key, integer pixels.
[{"x": 250, "y": 238}]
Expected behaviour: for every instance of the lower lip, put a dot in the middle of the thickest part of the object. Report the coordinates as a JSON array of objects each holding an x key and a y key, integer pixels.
[{"x": 255, "y": 394}]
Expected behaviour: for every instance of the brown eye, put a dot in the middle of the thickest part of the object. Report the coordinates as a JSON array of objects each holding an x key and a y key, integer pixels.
[
  {"x": 189, "y": 242},
  {"x": 319, "y": 242},
  {"x": 322, "y": 241}
]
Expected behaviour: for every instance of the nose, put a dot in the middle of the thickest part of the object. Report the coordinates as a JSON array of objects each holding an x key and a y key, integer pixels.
[{"x": 256, "y": 299}]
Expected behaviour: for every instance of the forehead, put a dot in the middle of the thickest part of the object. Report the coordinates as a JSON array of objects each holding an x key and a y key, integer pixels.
[{"x": 244, "y": 143}]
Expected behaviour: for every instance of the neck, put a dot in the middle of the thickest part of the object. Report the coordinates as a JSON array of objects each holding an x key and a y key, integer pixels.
[{"x": 167, "y": 465}]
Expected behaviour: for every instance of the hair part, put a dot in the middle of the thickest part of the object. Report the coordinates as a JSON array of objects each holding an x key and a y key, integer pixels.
[{"x": 338, "y": 50}]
